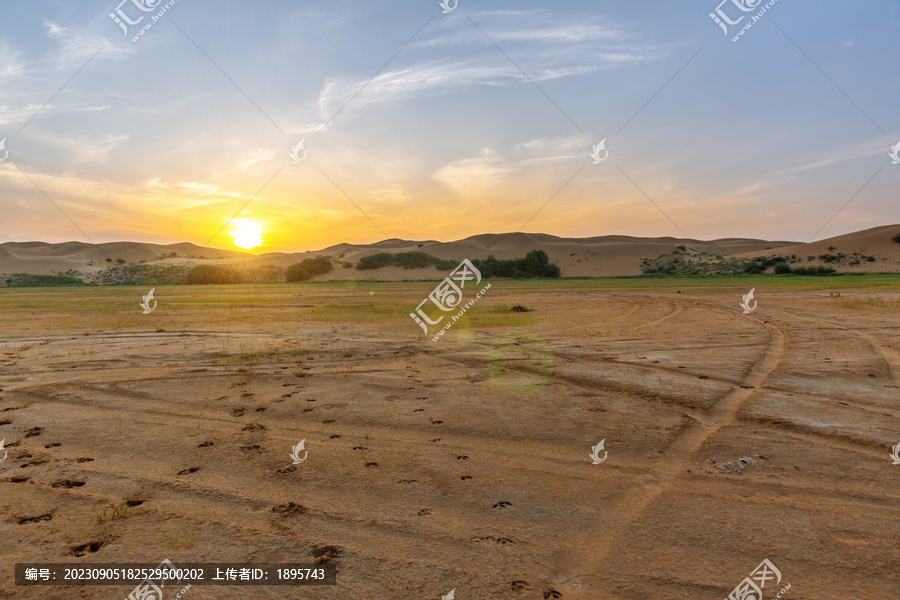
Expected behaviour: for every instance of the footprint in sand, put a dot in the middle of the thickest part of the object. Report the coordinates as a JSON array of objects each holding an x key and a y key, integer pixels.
[
  {"x": 67, "y": 483},
  {"x": 82, "y": 549},
  {"x": 286, "y": 510},
  {"x": 24, "y": 520},
  {"x": 325, "y": 554}
]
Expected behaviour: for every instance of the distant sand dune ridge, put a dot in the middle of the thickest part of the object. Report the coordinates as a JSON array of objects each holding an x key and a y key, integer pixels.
[{"x": 603, "y": 256}]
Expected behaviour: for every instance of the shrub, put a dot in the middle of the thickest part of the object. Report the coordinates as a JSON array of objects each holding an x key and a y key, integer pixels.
[
  {"x": 121, "y": 261},
  {"x": 753, "y": 268},
  {"x": 782, "y": 268},
  {"x": 407, "y": 260},
  {"x": 896, "y": 238},
  {"x": 214, "y": 274},
  {"x": 308, "y": 268},
  {"x": 375, "y": 261},
  {"x": 819, "y": 270},
  {"x": 414, "y": 260},
  {"x": 535, "y": 264}
]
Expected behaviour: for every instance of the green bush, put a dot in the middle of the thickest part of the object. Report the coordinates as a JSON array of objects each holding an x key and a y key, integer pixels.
[
  {"x": 819, "y": 270},
  {"x": 782, "y": 268},
  {"x": 407, "y": 260},
  {"x": 308, "y": 268},
  {"x": 535, "y": 264},
  {"x": 214, "y": 274},
  {"x": 375, "y": 261}
]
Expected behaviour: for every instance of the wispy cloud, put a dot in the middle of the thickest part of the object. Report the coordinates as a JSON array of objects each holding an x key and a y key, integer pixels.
[{"x": 79, "y": 44}]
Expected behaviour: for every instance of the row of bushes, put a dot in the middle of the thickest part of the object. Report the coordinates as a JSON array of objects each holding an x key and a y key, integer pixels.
[
  {"x": 785, "y": 269},
  {"x": 214, "y": 274},
  {"x": 308, "y": 268},
  {"x": 226, "y": 274},
  {"x": 407, "y": 260},
  {"x": 535, "y": 264}
]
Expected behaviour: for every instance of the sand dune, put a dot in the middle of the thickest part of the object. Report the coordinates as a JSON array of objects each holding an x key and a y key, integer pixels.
[{"x": 602, "y": 256}]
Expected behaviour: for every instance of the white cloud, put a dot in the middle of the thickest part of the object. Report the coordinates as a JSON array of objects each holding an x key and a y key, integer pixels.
[{"x": 82, "y": 44}]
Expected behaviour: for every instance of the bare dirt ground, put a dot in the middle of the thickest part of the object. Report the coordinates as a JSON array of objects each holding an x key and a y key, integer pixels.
[{"x": 463, "y": 463}]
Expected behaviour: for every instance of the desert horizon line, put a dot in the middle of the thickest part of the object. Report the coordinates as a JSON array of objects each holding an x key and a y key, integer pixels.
[{"x": 436, "y": 241}]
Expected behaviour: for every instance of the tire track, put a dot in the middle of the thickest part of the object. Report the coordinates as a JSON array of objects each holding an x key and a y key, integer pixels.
[{"x": 681, "y": 453}]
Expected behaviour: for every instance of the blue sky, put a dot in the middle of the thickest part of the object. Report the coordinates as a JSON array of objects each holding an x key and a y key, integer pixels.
[{"x": 167, "y": 138}]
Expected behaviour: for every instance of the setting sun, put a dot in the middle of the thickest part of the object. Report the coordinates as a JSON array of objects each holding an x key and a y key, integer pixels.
[{"x": 247, "y": 234}]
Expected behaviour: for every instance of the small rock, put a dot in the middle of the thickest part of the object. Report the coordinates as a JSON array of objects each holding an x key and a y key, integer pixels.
[{"x": 748, "y": 461}]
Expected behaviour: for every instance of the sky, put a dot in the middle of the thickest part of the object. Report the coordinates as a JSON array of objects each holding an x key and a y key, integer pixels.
[{"x": 422, "y": 124}]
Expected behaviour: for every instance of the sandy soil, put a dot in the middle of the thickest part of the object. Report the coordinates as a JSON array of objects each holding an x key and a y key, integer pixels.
[{"x": 463, "y": 463}]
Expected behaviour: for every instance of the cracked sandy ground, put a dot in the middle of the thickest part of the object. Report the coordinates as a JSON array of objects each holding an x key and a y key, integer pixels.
[{"x": 462, "y": 463}]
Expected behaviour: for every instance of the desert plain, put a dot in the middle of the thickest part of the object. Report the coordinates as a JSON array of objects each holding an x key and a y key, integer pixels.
[{"x": 464, "y": 463}]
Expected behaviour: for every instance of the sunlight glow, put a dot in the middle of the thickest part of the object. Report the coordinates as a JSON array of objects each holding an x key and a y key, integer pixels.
[{"x": 247, "y": 233}]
